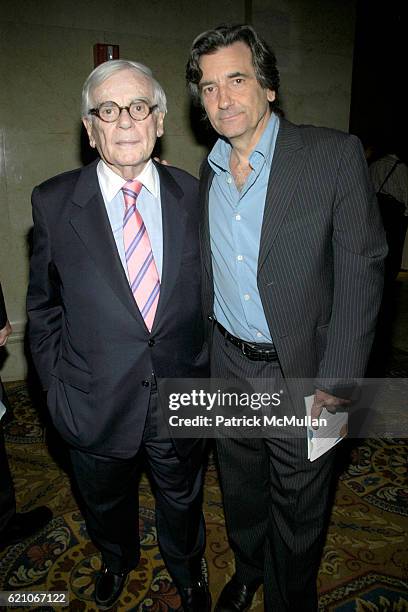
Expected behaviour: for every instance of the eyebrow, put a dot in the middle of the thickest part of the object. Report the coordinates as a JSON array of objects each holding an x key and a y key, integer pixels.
[
  {"x": 141, "y": 100},
  {"x": 231, "y": 75},
  {"x": 135, "y": 100}
]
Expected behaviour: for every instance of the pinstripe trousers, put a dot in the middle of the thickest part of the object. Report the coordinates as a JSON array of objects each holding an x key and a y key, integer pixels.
[{"x": 276, "y": 502}]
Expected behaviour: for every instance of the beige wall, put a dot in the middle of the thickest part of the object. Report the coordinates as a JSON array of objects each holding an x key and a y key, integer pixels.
[
  {"x": 46, "y": 54},
  {"x": 313, "y": 41}
]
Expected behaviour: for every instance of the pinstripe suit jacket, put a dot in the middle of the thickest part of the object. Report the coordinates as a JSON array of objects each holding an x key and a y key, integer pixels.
[{"x": 320, "y": 266}]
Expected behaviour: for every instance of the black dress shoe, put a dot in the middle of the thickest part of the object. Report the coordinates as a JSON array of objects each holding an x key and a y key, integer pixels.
[
  {"x": 25, "y": 525},
  {"x": 108, "y": 588},
  {"x": 235, "y": 597},
  {"x": 196, "y": 598}
]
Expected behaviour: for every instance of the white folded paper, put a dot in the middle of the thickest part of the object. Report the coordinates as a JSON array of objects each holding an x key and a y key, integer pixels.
[{"x": 332, "y": 429}]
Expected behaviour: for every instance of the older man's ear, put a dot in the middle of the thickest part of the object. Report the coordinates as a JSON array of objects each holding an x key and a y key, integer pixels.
[
  {"x": 88, "y": 126},
  {"x": 160, "y": 125}
]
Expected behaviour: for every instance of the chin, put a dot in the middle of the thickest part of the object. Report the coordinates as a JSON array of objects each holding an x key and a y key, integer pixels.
[
  {"x": 131, "y": 162},
  {"x": 232, "y": 133}
]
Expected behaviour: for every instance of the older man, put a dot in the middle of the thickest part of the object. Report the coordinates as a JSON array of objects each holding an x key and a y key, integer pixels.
[
  {"x": 293, "y": 258},
  {"x": 113, "y": 304}
]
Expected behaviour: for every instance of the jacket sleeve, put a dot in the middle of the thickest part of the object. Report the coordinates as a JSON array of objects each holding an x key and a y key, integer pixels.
[
  {"x": 44, "y": 307},
  {"x": 3, "y": 312},
  {"x": 359, "y": 249}
]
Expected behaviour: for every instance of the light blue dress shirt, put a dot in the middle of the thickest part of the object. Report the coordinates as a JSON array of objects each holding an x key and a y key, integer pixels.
[
  {"x": 235, "y": 226},
  {"x": 148, "y": 204}
]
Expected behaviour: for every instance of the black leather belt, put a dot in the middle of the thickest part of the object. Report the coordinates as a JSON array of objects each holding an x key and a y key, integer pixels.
[{"x": 253, "y": 351}]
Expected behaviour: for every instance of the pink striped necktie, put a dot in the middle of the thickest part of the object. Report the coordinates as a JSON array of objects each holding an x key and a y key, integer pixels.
[{"x": 143, "y": 276}]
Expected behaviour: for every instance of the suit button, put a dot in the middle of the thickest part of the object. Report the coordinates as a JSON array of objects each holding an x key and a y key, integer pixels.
[
  {"x": 151, "y": 342},
  {"x": 145, "y": 383}
]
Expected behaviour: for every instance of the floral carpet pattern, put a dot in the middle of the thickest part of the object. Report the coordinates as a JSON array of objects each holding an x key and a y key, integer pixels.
[{"x": 364, "y": 566}]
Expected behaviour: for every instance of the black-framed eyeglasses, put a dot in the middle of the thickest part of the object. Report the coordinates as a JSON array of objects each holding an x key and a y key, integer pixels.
[{"x": 110, "y": 111}]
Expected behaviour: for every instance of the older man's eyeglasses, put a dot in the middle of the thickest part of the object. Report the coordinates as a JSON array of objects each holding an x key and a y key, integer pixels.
[{"x": 110, "y": 111}]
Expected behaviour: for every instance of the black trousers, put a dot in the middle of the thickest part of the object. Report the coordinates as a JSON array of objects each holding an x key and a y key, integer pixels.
[
  {"x": 395, "y": 225},
  {"x": 7, "y": 496},
  {"x": 276, "y": 502},
  {"x": 109, "y": 492}
]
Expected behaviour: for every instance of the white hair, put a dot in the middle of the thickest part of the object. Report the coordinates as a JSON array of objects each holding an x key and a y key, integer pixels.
[{"x": 107, "y": 69}]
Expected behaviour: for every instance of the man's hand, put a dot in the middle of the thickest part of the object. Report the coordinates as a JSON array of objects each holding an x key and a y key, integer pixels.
[
  {"x": 325, "y": 400},
  {"x": 4, "y": 333}
]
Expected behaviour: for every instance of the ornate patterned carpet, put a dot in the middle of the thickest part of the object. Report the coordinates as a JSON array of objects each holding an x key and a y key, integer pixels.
[{"x": 365, "y": 561}]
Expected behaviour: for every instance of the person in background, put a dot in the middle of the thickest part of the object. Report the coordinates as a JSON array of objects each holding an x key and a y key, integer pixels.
[
  {"x": 113, "y": 305},
  {"x": 14, "y": 526},
  {"x": 293, "y": 252},
  {"x": 389, "y": 174}
]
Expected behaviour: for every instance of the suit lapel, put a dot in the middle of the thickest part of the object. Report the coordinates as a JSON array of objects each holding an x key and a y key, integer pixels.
[
  {"x": 174, "y": 224},
  {"x": 90, "y": 221},
  {"x": 206, "y": 177},
  {"x": 287, "y": 165}
]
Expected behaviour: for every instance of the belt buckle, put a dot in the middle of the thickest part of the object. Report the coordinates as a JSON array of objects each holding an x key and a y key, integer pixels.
[{"x": 245, "y": 351}]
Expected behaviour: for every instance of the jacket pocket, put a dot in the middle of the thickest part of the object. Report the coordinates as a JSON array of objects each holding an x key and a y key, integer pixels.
[{"x": 73, "y": 376}]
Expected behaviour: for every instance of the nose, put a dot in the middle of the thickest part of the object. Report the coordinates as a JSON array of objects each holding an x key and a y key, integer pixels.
[
  {"x": 124, "y": 120},
  {"x": 224, "y": 97}
]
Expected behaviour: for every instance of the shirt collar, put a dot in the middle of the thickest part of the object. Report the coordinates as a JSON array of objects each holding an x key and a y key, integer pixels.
[
  {"x": 111, "y": 183},
  {"x": 264, "y": 147},
  {"x": 219, "y": 156}
]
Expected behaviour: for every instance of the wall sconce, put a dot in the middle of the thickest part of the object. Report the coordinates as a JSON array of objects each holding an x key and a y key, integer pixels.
[{"x": 104, "y": 52}]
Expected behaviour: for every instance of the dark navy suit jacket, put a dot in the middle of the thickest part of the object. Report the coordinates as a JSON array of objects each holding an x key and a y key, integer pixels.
[{"x": 92, "y": 350}]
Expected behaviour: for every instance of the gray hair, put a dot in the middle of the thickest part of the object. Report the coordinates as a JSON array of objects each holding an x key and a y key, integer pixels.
[{"x": 107, "y": 69}]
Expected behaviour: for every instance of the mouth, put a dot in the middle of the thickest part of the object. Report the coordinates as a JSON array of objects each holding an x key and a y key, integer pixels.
[
  {"x": 229, "y": 117},
  {"x": 127, "y": 143}
]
